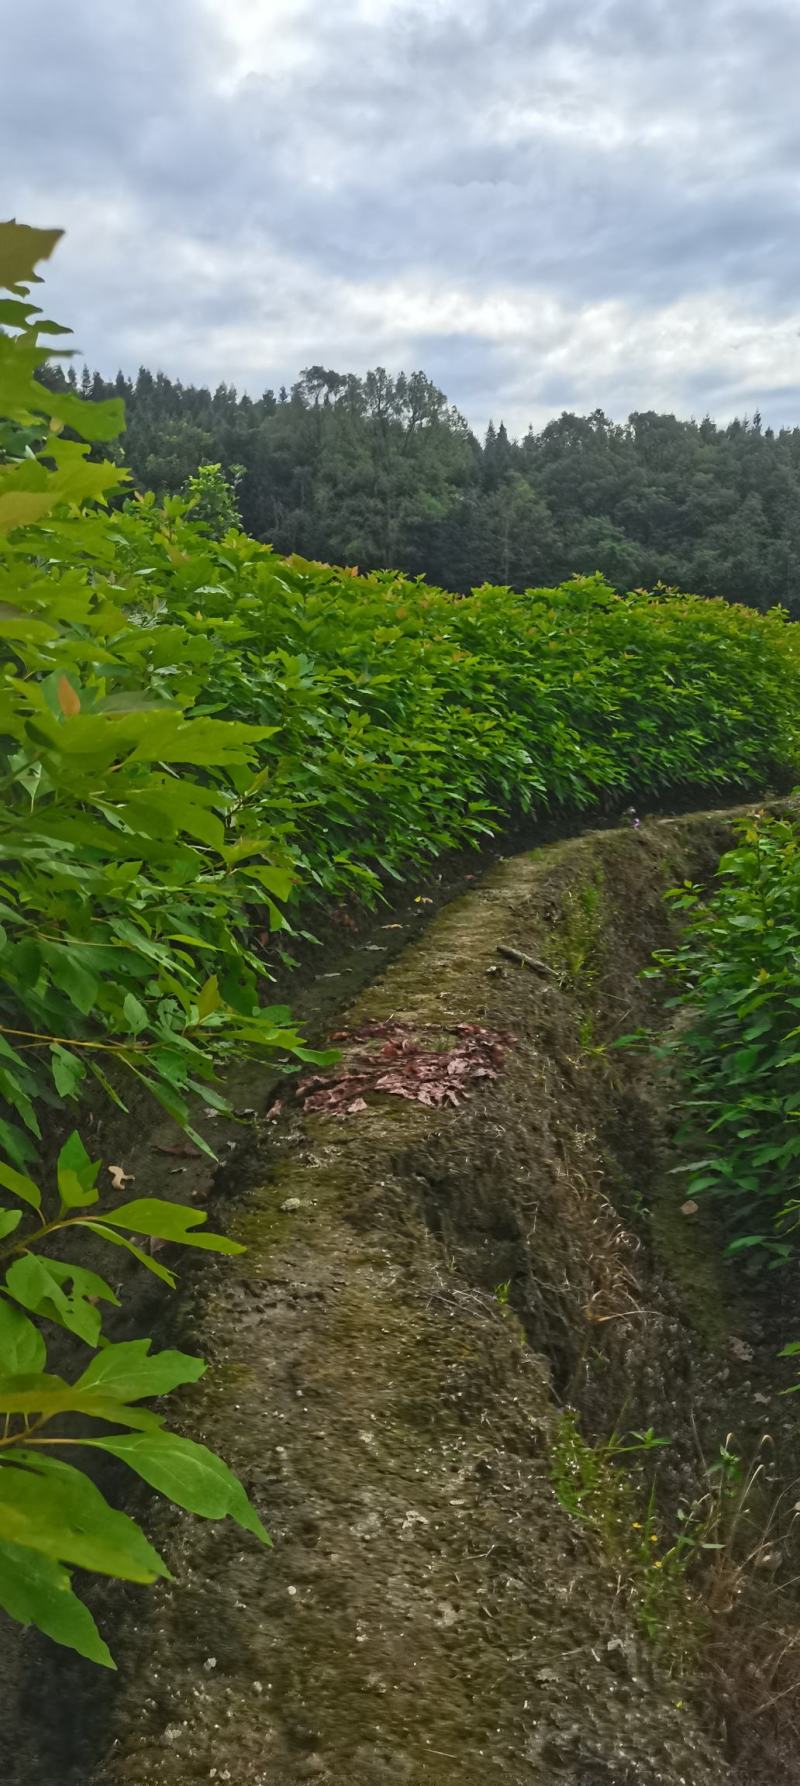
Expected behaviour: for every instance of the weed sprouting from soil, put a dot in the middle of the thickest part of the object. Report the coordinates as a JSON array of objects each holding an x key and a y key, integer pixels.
[{"x": 686, "y": 1575}]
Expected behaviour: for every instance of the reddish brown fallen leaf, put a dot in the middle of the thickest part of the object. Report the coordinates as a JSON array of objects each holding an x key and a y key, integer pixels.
[
  {"x": 428, "y": 1095},
  {"x": 384, "y": 1056}
]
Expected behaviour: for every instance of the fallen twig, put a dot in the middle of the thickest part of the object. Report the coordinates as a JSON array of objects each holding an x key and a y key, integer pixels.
[{"x": 538, "y": 967}]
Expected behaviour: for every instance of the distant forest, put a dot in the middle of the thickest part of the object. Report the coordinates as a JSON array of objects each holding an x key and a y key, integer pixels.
[{"x": 381, "y": 471}]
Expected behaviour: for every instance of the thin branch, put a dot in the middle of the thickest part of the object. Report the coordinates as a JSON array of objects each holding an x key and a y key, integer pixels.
[{"x": 37, "y": 1036}]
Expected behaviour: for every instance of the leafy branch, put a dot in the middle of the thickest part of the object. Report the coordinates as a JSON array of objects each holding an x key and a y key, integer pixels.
[
  {"x": 736, "y": 1050},
  {"x": 52, "y": 1516}
]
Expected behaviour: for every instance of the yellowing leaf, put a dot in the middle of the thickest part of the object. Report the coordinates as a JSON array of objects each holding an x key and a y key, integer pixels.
[
  {"x": 68, "y": 700},
  {"x": 21, "y": 248},
  {"x": 208, "y": 998},
  {"x": 20, "y": 508}
]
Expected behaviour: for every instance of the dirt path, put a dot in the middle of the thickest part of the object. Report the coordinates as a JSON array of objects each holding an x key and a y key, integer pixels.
[{"x": 429, "y": 1614}]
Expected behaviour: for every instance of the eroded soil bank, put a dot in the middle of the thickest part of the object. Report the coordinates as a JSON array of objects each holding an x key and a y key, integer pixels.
[{"x": 424, "y": 1290}]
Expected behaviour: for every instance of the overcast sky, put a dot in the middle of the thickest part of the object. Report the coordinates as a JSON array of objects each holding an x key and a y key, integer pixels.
[{"x": 544, "y": 204}]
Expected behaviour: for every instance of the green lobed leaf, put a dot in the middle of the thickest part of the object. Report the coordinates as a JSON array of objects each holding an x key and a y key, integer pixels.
[
  {"x": 169, "y": 1221},
  {"x": 37, "y": 1285},
  {"x": 128, "y": 1371}
]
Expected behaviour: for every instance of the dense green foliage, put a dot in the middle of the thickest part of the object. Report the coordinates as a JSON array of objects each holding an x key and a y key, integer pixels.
[
  {"x": 211, "y": 499},
  {"x": 126, "y": 862},
  {"x": 379, "y": 471},
  {"x": 406, "y": 721},
  {"x": 124, "y": 882},
  {"x": 736, "y": 1050}
]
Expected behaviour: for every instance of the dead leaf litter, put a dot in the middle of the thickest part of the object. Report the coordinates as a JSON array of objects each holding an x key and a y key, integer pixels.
[{"x": 431, "y": 1067}]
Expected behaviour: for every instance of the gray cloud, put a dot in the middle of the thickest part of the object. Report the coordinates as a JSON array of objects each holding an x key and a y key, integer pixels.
[{"x": 551, "y": 203}]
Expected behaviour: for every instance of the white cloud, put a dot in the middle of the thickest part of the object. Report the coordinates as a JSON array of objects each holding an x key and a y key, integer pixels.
[
  {"x": 544, "y": 203},
  {"x": 272, "y": 39}
]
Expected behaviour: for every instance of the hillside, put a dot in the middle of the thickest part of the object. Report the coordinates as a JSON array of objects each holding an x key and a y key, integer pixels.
[{"x": 379, "y": 471}]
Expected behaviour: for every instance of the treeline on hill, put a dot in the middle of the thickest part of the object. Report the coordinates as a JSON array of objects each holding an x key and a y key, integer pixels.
[{"x": 382, "y": 471}]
